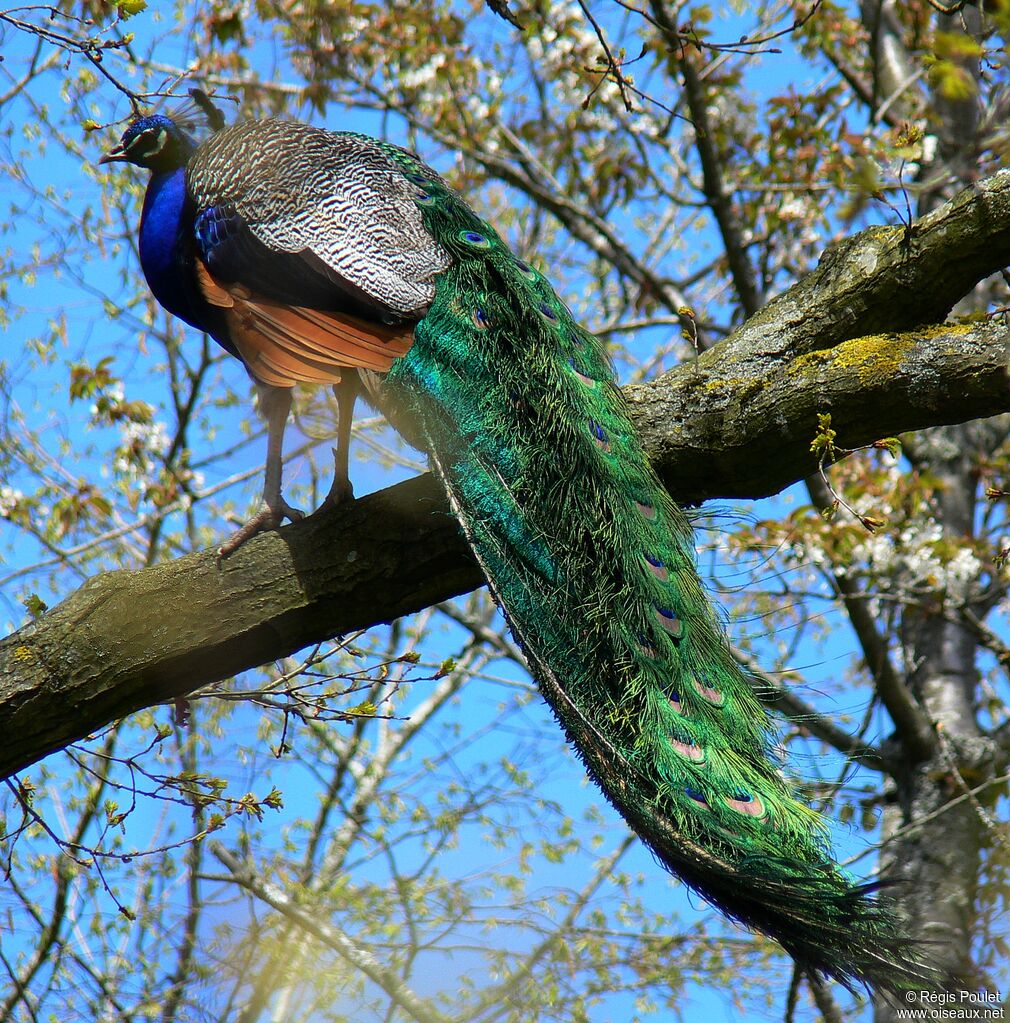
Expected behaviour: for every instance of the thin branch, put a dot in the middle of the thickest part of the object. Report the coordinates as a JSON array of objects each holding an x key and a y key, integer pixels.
[
  {"x": 495, "y": 995},
  {"x": 359, "y": 958},
  {"x": 920, "y": 822},
  {"x": 915, "y": 729},
  {"x": 772, "y": 693},
  {"x": 612, "y": 68},
  {"x": 536, "y": 181},
  {"x": 717, "y": 195},
  {"x": 997, "y": 832},
  {"x": 830, "y": 1010}
]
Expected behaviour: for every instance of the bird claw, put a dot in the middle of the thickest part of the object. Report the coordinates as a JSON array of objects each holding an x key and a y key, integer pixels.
[
  {"x": 341, "y": 492},
  {"x": 268, "y": 517}
]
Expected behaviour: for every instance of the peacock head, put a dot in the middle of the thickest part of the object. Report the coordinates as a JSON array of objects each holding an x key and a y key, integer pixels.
[{"x": 155, "y": 142}]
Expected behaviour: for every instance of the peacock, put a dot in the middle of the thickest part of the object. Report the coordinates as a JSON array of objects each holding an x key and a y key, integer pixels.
[{"x": 331, "y": 258}]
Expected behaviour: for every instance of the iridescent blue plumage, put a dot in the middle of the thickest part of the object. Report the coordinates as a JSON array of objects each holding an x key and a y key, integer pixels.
[
  {"x": 165, "y": 256},
  {"x": 162, "y": 227}
]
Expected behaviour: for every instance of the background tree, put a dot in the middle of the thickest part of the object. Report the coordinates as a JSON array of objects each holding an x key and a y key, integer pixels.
[{"x": 400, "y": 832}]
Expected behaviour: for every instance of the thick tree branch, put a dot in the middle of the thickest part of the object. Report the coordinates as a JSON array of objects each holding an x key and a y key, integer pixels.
[
  {"x": 737, "y": 421},
  {"x": 848, "y": 339},
  {"x": 722, "y": 430},
  {"x": 128, "y": 640}
]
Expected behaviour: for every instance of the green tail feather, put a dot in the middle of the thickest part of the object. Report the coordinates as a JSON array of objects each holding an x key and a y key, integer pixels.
[{"x": 593, "y": 565}]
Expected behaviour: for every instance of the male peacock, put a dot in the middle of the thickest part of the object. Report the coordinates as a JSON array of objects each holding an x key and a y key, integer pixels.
[{"x": 313, "y": 255}]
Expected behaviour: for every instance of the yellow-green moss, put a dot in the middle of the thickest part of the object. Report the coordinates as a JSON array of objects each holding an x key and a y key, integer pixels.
[
  {"x": 725, "y": 383},
  {"x": 24, "y": 653},
  {"x": 872, "y": 357},
  {"x": 875, "y": 355}
]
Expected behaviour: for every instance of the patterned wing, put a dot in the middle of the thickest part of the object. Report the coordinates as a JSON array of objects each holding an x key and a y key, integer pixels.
[{"x": 320, "y": 218}]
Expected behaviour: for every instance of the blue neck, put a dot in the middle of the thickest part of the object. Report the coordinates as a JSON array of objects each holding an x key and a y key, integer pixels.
[{"x": 165, "y": 249}]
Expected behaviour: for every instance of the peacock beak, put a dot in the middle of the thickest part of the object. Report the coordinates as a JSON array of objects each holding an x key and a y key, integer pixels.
[{"x": 115, "y": 155}]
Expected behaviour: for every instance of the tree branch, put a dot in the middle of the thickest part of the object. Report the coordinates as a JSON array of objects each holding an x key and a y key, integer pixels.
[
  {"x": 910, "y": 719},
  {"x": 737, "y": 421},
  {"x": 719, "y": 429},
  {"x": 128, "y": 640},
  {"x": 361, "y": 959},
  {"x": 772, "y": 692},
  {"x": 717, "y": 195}
]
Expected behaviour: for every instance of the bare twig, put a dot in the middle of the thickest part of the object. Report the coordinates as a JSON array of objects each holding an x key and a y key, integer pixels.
[{"x": 361, "y": 959}]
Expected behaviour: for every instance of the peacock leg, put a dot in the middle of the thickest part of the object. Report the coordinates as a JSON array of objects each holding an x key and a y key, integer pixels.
[
  {"x": 274, "y": 406},
  {"x": 346, "y": 392}
]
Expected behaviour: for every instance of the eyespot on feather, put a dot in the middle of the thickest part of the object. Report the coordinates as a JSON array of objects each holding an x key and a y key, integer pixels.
[
  {"x": 656, "y": 567},
  {"x": 713, "y": 696},
  {"x": 474, "y": 239},
  {"x": 580, "y": 376},
  {"x": 670, "y": 622},
  {"x": 646, "y": 649},
  {"x": 688, "y": 750},
  {"x": 747, "y": 804},
  {"x": 647, "y": 511},
  {"x": 599, "y": 435},
  {"x": 547, "y": 313},
  {"x": 526, "y": 270}
]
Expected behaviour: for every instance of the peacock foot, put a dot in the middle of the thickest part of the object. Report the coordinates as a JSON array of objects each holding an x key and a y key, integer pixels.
[
  {"x": 341, "y": 491},
  {"x": 267, "y": 518}
]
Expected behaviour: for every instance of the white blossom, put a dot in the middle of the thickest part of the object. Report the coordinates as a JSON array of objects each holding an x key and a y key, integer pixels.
[
  {"x": 9, "y": 499},
  {"x": 426, "y": 74}
]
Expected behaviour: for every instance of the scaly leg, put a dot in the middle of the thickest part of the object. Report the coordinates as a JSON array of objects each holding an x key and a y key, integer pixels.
[
  {"x": 274, "y": 406},
  {"x": 346, "y": 393}
]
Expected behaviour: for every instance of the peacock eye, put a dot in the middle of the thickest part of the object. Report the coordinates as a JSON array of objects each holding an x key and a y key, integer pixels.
[{"x": 148, "y": 143}]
